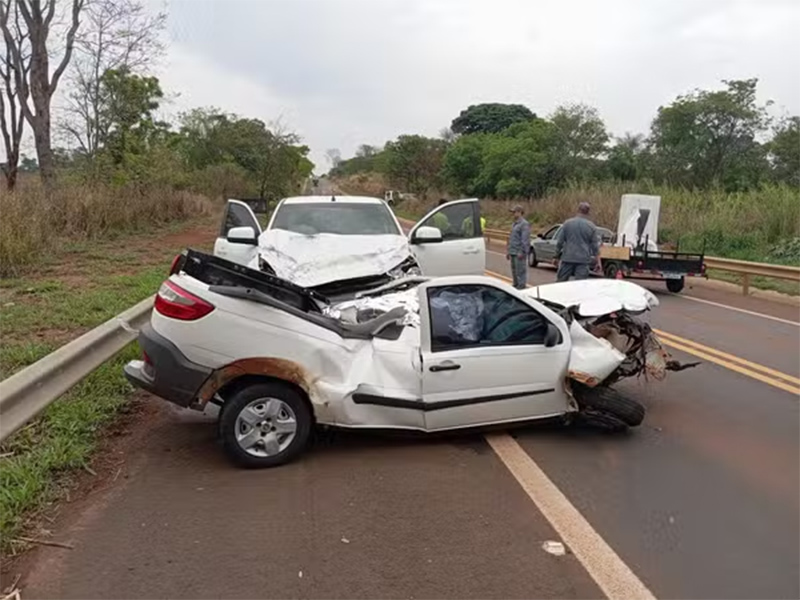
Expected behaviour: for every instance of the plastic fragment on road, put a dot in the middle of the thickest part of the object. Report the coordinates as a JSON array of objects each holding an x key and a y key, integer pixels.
[
  {"x": 554, "y": 548},
  {"x": 345, "y": 541}
]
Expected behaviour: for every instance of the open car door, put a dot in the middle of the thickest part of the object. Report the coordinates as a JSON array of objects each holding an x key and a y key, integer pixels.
[
  {"x": 235, "y": 243},
  {"x": 449, "y": 241},
  {"x": 489, "y": 354}
]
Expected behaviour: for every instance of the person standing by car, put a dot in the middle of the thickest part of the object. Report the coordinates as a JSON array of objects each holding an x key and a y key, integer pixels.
[
  {"x": 519, "y": 244},
  {"x": 577, "y": 246}
]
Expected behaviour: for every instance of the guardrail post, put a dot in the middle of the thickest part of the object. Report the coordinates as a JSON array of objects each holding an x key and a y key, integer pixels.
[{"x": 746, "y": 284}]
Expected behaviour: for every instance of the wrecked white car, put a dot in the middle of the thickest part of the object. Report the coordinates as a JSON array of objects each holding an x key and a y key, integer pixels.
[
  {"x": 331, "y": 244},
  {"x": 418, "y": 354}
]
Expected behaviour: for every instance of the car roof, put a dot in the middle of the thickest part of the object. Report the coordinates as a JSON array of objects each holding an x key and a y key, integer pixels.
[{"x": 332, "y": 198}]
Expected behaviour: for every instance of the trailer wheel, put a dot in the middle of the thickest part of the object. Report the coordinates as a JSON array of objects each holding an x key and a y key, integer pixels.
[
  {"x": 610, "y": 269},
  {"x": 675, "y": 285}
]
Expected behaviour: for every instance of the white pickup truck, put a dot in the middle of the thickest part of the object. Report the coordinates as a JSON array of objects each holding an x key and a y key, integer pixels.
[
  {"x": 323, "y": 241},
  {"x": 426, "y": 354}
]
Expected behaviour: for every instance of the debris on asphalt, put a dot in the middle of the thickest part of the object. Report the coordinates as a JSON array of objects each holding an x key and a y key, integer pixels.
[
  {"x": 345, "y": 541},
  {"x": 555, "y": 548},
  {"x": 14, "y": 595},
  {"x": 300, "y": 574}
]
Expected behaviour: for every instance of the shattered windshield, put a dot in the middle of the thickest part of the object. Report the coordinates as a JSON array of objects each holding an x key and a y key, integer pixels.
[{"x": 336, "y": 218}]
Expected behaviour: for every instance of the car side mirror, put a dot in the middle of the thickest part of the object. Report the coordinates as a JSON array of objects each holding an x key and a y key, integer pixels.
[
  {"x": 427, "y": 235},
  {"x": 242, "y": 235},
  {"x": 552, "y": 337},
  {"x": 540, "y": 235}
]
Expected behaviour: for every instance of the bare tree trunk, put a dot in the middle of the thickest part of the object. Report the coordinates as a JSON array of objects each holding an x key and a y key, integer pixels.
[
  {"x": 12, "y": 125},
  {"x": 37, "y": 83}
]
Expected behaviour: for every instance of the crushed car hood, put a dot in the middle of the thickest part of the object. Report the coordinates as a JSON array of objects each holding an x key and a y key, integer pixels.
[
  {"x": 314, "y": 260},
  {"x": 595, "y": 297}
]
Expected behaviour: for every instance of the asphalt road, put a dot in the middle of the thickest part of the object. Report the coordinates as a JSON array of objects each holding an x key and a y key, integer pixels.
[{"x": 702, "y": 501}]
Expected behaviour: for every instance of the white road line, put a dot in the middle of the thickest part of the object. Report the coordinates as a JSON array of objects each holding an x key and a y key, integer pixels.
[
  {"x": 612, "y": 575},
  {"x": 740, "y": 310}
]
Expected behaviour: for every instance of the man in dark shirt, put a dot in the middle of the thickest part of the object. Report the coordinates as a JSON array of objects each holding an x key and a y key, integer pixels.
[
  {"x": 519, "y": 244},
  {"x": 577, "y": 246}
]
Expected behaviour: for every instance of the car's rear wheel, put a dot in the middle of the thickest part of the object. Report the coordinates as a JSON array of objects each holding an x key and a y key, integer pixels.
[
  {"x": 265, "y": 425},
  {"x": 607, "y": 408},
  {"x": 675, "y": 285},
  {"x": 532, "y": 261}
]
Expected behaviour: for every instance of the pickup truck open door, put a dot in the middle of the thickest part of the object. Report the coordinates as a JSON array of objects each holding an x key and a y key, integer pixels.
[
  {"x": 449, "y": 240},
  {"x": 234, "y": 242}
]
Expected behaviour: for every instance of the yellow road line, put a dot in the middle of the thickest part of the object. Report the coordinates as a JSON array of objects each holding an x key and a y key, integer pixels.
[
  {"x": 734, "y": 367},
  {"x": 777, "y": 379},
  {"x": 612, "y": 576},
  {"x": 672, "y": 338}
]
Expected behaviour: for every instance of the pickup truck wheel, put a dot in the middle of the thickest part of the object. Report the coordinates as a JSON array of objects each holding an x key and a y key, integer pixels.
[
  {"x": 606, "y": 405},
  {"x": 675, "y": 285},
  {"x": 532, "y": 262},
  {"x": 265, "y": 425}
]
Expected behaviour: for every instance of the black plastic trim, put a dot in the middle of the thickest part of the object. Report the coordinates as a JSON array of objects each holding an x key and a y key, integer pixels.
[
  {"x": 418, "y": 404},
  {"x": 174, "y": 377}
]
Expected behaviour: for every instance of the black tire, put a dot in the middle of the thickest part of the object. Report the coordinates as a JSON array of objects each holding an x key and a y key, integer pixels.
[
  {"x": 610, "y": 269},
  {"x": 608, "y": 402},
  {"x": 676, "y": 285},
  {"x": 244, "y": 397},
  {"x": 532, "y": 262}
]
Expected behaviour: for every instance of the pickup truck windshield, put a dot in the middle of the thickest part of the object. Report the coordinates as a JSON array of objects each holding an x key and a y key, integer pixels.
[{"x": 333, "y": 217}]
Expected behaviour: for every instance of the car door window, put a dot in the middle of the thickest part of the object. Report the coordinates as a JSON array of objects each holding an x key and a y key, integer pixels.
[
  {"x": 237, "y": 215},
  {"x": 466, "y": 316},
  {"x": 551, "y": 233},
  {"x": 456, "y": 222}
]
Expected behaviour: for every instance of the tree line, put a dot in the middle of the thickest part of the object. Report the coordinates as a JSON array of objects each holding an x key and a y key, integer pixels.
[
  {"x": 108, "y": 127},
  {"x": 722, "y": 138}
]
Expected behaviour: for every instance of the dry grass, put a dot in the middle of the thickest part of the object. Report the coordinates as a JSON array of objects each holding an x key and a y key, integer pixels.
[
  {"x": 33, "y": 225},
  {"x": 747, "y": 226}
]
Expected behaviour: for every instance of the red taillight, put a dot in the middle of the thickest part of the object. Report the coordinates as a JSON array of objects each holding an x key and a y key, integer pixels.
[
  {"x": 175, "y": 302},
  {"x": 146, "y": 359},
  {"x": 175, "y": 262}
]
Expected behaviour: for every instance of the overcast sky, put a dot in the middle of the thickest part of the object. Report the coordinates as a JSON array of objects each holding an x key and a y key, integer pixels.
[{"x": 346, "y": 72}]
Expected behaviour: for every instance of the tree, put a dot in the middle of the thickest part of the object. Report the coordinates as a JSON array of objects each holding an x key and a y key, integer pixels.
[
  {"x": 37, "y": 82},
  {"x": 366, "y": 151},
  {"x": 271, "y": 158},
  {"x": 522, "y": 161},
  {"x": 128, "y": 106},
  {"x": 710, "y": 137},
  {"x": 12, "y": 119},
  {"x": 624, "y": 161},
  {"x": 784, "y": 150},
  {"x": 334, "y": 157},
  {"x": 582, "y": 135},
  {"x": 114, "y": 35},
  {"x": 490, "y": 118},
  {"x": 414, "y": 162}
]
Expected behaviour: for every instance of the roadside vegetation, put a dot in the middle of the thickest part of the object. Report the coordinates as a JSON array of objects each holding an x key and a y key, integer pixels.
[
  {"x": 91, "y": 223},
  {"x": 727, "y": 170}
]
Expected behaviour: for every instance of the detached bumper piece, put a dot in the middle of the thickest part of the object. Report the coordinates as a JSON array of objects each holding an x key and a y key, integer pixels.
[{"x": 165, "y": 371}]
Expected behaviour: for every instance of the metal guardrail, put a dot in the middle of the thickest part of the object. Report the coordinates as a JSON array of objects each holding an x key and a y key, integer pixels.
[
  {"x": 744, "y": 268},
  {"x": 26, "y": 393}
]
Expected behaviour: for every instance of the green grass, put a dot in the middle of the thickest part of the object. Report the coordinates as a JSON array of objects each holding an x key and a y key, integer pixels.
[
  {"x": 62, "y": 439},
  {"x": 50, "y": 305},
  {"x": 81, "y": 287}
]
